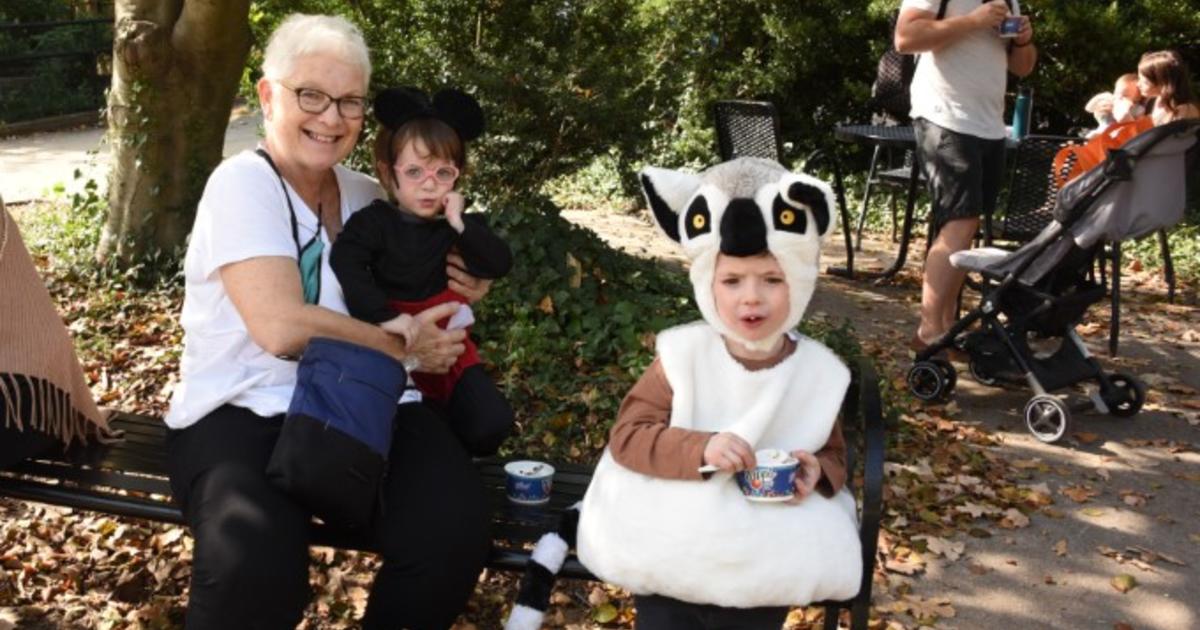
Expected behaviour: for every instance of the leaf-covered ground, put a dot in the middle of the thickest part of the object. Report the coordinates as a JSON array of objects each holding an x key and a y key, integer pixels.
[{"x": 975, "y": 513}]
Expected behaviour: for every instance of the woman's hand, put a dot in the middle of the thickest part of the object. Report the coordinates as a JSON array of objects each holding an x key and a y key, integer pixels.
[
  {"x": 808, "y": 473},
  {"x": 728, "y": 452},
  {"x": 436, "y": 349},
  {"x": 464, "y": 283}
]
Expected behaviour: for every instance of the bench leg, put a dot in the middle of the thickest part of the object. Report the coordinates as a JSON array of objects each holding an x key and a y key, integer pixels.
[
  {"x": 860, "y": 614},
  {"x": 831, "y": 617}
]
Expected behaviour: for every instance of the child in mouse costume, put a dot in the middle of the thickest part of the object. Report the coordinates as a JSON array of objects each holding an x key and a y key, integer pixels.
[
  {"x": 685, "y": 541},
  {"x": 390, "y": 258}
]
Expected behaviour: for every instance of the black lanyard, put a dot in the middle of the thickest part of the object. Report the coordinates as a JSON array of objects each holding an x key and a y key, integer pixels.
[{"x": 295, "y": 222}]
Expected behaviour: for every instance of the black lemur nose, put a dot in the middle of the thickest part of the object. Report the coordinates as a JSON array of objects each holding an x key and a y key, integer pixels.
[{"x": 743, "y": 231}]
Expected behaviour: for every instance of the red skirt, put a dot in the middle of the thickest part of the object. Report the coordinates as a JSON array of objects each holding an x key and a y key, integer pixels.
[{"x": 439, "y": 386}]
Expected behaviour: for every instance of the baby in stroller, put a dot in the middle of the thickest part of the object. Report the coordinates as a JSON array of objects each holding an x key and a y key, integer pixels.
[{"x": 1043, "y": 289}]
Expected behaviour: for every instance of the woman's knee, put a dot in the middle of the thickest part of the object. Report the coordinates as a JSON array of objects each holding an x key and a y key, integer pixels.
[{"x": 251, "y": 554}]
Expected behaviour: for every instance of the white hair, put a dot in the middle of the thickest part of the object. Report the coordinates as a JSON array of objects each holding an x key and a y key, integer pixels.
[{"x": 300, "y": 35}]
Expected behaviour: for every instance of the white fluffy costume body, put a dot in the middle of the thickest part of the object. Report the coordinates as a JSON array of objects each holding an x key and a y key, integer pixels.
[{"x": 702, "y": 541}]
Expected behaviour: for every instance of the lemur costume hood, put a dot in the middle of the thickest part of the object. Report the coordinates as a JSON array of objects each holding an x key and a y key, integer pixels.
[
  {"x": 701, "y": 541},
  {"x": 745, "y": 207}
]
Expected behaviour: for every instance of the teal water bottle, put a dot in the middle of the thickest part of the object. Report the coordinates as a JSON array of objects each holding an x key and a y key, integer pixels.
[{"x": 1020, "y": 121}]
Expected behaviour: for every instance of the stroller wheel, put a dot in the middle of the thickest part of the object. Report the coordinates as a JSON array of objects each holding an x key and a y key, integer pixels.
[
  {"x": 1128, "y": 395},
  {"x": 927, "y": 381},
  {"x": 948, "y": 371},
  {"x": 980, "y": 373},
  {"x": 1047, "y": 418}
]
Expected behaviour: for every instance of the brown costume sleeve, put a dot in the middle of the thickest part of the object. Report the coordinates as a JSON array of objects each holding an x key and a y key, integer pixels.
[
  {"x": 832, "y": 458},
  {"x": 642, "y": 439}
]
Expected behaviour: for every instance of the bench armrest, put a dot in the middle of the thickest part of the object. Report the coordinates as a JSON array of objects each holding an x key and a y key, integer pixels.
[{"x": 871, "y": 410}]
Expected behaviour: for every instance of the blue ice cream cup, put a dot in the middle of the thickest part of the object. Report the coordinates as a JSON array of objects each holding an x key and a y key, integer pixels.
[
  {"x": 772, "y": 480},
  {"x": 528, "y": 482}
]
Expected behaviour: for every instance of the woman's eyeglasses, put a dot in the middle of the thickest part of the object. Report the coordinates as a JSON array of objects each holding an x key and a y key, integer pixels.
[
  {"x": 417, "y": 174},
  {"x": 314, "y": 101}
]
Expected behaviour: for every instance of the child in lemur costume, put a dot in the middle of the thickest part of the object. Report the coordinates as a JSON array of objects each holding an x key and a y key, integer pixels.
[
  {"x": 693, "y": 550},
  {"x": 391, "y": 256}
]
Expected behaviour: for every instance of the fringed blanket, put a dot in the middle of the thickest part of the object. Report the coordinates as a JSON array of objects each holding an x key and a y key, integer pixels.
[{"x": 36, "y": 356}]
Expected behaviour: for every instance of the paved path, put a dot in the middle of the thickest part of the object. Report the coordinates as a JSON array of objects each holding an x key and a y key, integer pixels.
[{"x": 32, "y": 166}]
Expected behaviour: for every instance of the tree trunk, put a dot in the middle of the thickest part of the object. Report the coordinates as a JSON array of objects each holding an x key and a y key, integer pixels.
[{"x": 176, "y": 66}]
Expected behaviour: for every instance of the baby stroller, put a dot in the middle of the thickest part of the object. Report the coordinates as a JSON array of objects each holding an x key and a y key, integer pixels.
[{"x": 1041, "y": 291}]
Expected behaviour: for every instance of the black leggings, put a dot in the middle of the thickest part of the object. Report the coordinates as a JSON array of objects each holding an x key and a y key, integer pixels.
[
  {"x": 17, "y": 445},
  {"x": 655, "y": 612},
  {"x": 478, "y": 413},
  {"x": 250, "y": 566}
]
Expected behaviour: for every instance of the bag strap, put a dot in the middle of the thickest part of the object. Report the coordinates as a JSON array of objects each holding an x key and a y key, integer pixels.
[{"x": 291, "y": 209}]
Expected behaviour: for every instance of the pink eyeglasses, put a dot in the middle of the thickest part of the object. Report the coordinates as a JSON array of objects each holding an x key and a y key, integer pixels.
[{"x": 416, "y": 173}]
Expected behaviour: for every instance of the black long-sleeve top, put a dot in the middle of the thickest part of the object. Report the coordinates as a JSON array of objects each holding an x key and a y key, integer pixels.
[{"x": 384, "y": 253}]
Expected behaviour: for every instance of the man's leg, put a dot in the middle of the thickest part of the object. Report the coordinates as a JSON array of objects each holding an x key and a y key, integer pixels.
[
  {"x": 942, "y": 281},
  {"x": 954, "y": 166}
]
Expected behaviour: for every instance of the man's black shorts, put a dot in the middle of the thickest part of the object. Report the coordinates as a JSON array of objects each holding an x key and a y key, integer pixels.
[{"x": 963, "y": 171}]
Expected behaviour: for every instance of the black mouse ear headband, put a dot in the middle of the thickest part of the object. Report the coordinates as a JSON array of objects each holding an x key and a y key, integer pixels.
[{"x": 398, "y": 105}]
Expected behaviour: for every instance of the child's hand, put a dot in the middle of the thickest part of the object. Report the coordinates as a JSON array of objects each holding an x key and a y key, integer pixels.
[
  {"x": 807, "y": 474},
  {"x": 404, "y": 325},
  {"x": 728, "y": 452},
  {"x": 454, "y": 204}
]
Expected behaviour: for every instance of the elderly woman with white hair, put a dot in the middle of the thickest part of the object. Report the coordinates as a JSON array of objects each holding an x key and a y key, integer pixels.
[{"x": 258, "y": 288}]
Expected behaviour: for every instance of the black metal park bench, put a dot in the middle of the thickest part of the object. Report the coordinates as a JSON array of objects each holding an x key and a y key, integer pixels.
[{"x": 128, "y": 478}]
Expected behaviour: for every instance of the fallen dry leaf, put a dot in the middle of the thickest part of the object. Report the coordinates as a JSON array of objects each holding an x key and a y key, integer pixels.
[
  {"x": 948, "y": 549},
  {"x": 1086, "y": 438},
  {"x": 976, "y": 510},
  {"x": 1123, "y": 582},
  {"x": 1079, "y": 494},
  {"x": 1060, "y": 547},
  {"x": 1133, "y": 499},
  {"x": 1014, "y": 519}
]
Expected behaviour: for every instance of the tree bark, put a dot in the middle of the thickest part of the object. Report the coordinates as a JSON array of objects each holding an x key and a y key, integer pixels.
[{"x": 176, "y": 66}]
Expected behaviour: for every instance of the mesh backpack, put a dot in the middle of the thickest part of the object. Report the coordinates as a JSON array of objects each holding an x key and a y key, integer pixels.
[{"x": 894, "y": 75}]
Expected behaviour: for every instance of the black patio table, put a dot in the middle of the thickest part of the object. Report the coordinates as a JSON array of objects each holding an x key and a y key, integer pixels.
[{"x": 894, "y": 136}]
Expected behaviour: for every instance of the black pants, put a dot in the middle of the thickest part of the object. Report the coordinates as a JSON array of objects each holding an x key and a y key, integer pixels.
[
  {"x": 478, "y": 413},
  {"x": 655, "y": 612},
  {"x": 20, "y": 444},
  {"x": 250, "y": 567}
]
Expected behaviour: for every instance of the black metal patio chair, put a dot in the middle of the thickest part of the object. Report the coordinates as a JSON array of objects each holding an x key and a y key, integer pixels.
[{"x": 748, "y": 129}]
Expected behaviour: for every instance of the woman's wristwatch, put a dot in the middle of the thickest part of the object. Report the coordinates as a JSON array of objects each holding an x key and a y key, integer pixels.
[{"x": 411, "y": 363}]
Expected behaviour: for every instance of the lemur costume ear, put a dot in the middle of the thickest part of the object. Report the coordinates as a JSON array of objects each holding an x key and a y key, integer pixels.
[
  {"x": 745, "y": 207},
  {"x": 395, "y": 106},
  {"x": 540, "y": 574}
]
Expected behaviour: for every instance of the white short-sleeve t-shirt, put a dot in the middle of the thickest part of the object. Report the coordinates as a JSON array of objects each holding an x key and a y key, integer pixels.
[
  {"x": 243, "y": 214},
  {"x": 961, "y": 86}
]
